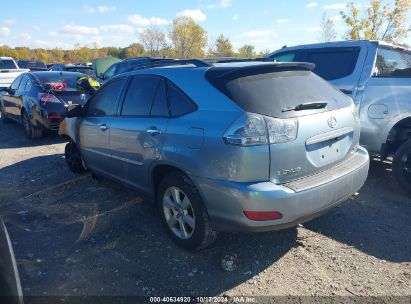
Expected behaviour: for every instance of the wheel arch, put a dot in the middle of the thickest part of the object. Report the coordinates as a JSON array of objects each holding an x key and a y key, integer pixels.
[{"x": 396, "y": 133}]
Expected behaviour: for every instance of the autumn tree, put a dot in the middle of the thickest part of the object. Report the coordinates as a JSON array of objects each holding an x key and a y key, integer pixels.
[
  {"x": 328, "y": 32},
  {"x": 246, "y": 51},
  {"x": 222, "y": 47},
  {"x": 381, "y": 20},
  {"x": 188, "y": 38},
  {"x": 153, "y": 40}
]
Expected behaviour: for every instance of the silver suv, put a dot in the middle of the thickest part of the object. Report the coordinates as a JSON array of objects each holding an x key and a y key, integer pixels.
[
  {"x": 377, "y": 76},
  {"x": 245, "y": 146}
]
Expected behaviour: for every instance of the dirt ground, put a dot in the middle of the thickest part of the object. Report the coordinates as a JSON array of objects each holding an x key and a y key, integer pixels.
[{"x": 74, "y": 235}]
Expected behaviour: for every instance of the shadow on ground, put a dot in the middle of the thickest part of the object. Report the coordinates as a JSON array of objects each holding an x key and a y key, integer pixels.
[
  {"x": 377, "y": 227},
  {"x": 13, "y": 137},
  {"x": 79, "y": 236}
]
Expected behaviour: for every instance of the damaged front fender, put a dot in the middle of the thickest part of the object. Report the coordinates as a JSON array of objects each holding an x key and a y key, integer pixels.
[{"x": 67, "y": 128}]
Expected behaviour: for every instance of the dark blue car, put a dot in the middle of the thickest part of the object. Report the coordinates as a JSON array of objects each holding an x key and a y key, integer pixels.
[{"x": 39, "y": 100}]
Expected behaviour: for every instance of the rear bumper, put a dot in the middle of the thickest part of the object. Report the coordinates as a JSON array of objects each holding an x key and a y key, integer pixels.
[{"x": 226, "y": 201}]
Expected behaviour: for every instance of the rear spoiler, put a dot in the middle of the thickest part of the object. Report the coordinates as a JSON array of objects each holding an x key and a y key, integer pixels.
[{"x": 264, "y": 67}]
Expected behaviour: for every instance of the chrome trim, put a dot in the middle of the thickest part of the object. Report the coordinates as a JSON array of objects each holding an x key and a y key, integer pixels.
[
  {"x": 329, "y": 135},
  {"x": 127, "y": 160}
]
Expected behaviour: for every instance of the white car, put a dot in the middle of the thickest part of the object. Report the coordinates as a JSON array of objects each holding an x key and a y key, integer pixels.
[{"x": 9, "y": 71}]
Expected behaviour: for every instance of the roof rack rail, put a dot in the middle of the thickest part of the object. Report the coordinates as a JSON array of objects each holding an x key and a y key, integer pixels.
[
  {"x": 226, "y": 59},
  {"x": 170, "y": 62}
]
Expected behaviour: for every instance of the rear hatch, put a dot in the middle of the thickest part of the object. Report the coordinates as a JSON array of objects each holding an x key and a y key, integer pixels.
[{"x": 291, "y": 96}]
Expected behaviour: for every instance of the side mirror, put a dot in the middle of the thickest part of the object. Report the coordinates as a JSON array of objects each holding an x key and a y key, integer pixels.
[
  {"x": 74, "y": 111},
  {"x": 101, "y": 76}
]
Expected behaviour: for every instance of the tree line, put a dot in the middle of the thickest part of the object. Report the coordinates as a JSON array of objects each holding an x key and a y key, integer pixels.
[{"x": 380, "y": 20}]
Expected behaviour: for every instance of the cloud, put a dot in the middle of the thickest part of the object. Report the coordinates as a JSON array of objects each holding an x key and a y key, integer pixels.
[
  {"x": 313, "y": 29},
  {"x": 4, "y": 31},
  {"x": 235, "y": 17},
  {"x": 10, "y": 21},
  {"x": 143, "y": 21},
  {"x": 280, "y": 21},
  {"x": 105, "y": 9},
  {"x": 88, "y": 10},
  {"x": 79, "y": 29},
  {"x": 126, "y": 28},
  {"x": 260, "y": 34},
  {"x": 197, "y": 14},
  {"x": 36, "y": 28},
  {"x": 335, "y": 6},
  {"x": 221, "y": 4},
  {"x": 311, "y": 4}
]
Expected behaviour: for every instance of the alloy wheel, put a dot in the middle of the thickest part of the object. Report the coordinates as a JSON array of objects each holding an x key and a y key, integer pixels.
[{"x": 178, "y": 212}]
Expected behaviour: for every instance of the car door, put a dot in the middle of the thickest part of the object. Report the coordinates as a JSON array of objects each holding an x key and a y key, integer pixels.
[
  {"x": 10, "y": 103},
  {"x": 137, "y": 135},
  {"x": 386, "y": 95},
  {"x": 19, "y": 95},
  {"x": 94, "y": 127}
]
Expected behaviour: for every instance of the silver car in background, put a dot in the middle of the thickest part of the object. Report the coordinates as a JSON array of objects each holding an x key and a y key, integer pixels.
[
  {"x": 241, "y": 146},
  {"x": 377, "y": 76}
]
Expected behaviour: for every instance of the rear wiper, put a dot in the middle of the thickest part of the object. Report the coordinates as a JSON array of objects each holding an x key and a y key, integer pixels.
[{"x": 306, "y": 106}]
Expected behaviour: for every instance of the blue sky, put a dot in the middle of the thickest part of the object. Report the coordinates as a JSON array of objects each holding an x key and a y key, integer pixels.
[{"x": 263, "y": 23}]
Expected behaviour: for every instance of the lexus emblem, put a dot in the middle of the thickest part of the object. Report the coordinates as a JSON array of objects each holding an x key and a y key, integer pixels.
[{"x": 332, "y": 122}]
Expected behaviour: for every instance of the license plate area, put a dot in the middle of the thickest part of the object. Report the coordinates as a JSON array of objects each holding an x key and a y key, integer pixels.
[{"x": 329, "y": 151}]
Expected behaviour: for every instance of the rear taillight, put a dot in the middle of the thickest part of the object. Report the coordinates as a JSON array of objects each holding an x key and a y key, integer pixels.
[
  {"x": 254, "y": 129},
  {"x": 48, "y": 98}
]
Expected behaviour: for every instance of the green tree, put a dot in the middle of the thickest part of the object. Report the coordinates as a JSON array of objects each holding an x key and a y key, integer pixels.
[
  {"x": 381, "y": 20},
  {"x": 246, "y": 51},
  {"x": 222, "y": 47},
  {"x": 188, "y": 38}
]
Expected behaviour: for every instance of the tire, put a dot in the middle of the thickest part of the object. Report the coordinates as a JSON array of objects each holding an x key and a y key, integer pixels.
[
  {"x": 73, "y": 158},
  {"x": 4, "y": 118},
  {"x": 183, "y": 213},
  {"x": 401, "y": 166},
  {"x": 31, "y": 131}
]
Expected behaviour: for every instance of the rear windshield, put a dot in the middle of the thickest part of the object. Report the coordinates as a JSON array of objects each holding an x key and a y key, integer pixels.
[
  {"x": 7, "y": 64},
  {"x": 270, "y": 93},
  {"x": 84, "y": 70},
  {"x": 49, "y": 80},
  {"x": 32, "y": 64}
]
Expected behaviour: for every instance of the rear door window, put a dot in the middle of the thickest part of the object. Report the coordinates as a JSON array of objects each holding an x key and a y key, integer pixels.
[
  {"x": 104, "y": 103},
  {"x": 139, "y": 96},
  {"x": 160, "y": 106},
  {"x": 393, "y": 63},
  {"x": 333, "y": 63}
]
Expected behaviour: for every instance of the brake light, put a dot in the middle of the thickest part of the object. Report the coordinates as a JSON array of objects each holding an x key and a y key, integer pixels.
[
  {"x": 46, "y": 98},
  {"x": 263, "y": 215},
  {"x": 254, "y": 129}
]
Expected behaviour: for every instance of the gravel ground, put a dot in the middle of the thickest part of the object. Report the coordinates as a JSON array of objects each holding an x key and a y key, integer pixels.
[{"x": 74, "y": 235}]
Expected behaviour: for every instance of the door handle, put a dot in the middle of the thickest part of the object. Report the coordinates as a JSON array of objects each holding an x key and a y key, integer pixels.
[
  {"x": 153, "y": 131},
  {"x": 103, "y": 127}
]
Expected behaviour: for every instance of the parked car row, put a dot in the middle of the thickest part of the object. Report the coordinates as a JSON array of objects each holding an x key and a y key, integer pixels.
[{"x": 231, "y": 144}]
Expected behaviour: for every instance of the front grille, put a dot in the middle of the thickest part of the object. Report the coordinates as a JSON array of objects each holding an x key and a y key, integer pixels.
[{"x": 326, "y": 176}]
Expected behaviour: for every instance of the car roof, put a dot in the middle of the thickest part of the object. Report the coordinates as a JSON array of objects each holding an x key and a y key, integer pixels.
[
  {"x": 347, "y": 43},
  {"x": 8, "y": 58}
]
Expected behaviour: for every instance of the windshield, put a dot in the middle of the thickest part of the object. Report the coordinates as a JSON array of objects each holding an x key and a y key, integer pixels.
[
  {"x": 84, "y": 70},
  {"x": 31, "y": 64},
  {"x": 270, "y": 93},
  {"x": 7, "y": 64},
  {"x": 69, "y": 81}
]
